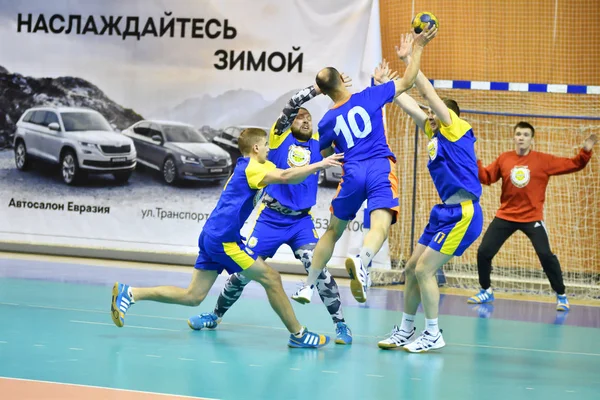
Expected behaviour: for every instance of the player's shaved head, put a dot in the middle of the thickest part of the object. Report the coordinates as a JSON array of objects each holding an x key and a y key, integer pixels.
[{"x": 329, "y": 80}]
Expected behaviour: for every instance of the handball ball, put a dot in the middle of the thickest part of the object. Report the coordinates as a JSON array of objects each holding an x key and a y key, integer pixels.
[{"x": 423, "y": 19}]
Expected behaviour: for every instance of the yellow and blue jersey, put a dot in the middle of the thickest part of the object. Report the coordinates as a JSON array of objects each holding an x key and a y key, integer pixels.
[
  {"x": 288, "y": 152},
  {"x": 452, "y": 160},
  {"x": 356, "y": 127},
  {"x": 237, "y": 200}
]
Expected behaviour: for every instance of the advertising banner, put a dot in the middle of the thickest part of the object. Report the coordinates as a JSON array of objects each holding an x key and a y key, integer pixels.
[{"x": 119, "y": 119}]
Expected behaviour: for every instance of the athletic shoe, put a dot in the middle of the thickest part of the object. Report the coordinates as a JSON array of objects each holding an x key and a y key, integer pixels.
[
  {"x": 308, "y": 340},
  {"x": 426, "y": 342},
  {"x": 121, "y": 301},
  {"x": 398, "y": 338},
  {"x": 562, "y": 303},
  {"x": 205, "y": 320},
  {"x": 343, "y": 334},
  {"x": 304, "y": 294},
  {"x": 482, "y": 297},
  {"x": 358, "y": 274}
]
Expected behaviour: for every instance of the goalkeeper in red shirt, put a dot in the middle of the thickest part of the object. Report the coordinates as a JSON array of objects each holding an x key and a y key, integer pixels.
[{"x": 525, "y": 174}]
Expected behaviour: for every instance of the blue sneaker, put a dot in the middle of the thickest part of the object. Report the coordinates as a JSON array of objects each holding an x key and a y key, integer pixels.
[
  {"x": 206, "y": 320},
  {"x": 562, "y": 303},
  {"x": 308, "y": 340},
  {"x": 343, "y": 333},
  {"x": 482, "y": 297},
  {"x": 121, "y": 301}
]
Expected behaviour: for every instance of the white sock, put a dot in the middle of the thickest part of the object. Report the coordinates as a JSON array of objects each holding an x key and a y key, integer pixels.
[
  {"x": 313, "y": 275},
  {"x": 489, "y": 290},
  {"x": 366, "y": 256},
  {"x": 408, "y": 322},
  {"x": 299, "y": 334},
  {"x": 130, "y": 294},
  {"x": 431, "y": 326}
]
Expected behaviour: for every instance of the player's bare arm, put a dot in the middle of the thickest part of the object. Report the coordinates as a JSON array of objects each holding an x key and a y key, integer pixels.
[
  {"x": 383, "y": 74},
  {"x": 414, "y": 63},
  {"x": 424, "y": 87},
  {"x": 297, "y": 175}
]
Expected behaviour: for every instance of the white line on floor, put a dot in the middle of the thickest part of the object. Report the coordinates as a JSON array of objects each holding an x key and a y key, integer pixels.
[
  {"x": 126, "y": 326},
  {"x": 281, "y": 328}
]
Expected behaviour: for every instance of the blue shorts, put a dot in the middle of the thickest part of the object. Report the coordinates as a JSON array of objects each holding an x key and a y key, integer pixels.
[
  {"x": 453, "y": 228},
  {"x": 273, "y": 229},
  {"x": 215, "y": 255},
  {"x": 373, "y": 180}
]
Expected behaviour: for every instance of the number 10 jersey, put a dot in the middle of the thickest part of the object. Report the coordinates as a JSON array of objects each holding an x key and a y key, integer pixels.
[{"x": 356, "y": 128}]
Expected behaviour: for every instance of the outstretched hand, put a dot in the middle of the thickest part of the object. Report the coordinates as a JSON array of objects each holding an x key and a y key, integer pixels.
[
  {"x": 405, "y": 49},
  {"x": 332, "y": 161},
  {"x": 346, "y": 79},
  {"x": 382, "y": 73},
  {"x": 590, "y": 142},
  {"x": 425, "y": 36}
]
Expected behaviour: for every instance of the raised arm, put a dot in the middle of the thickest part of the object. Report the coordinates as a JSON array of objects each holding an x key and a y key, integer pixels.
[
  {"x": 413, "y": 62},
  {"x": 383, "y": 74},
  {"x": 423, "y": 85},
  {"x": 411, "y": 107},
  {"x": 289, "y": 112},
  {"x": 562, "y": 165}
]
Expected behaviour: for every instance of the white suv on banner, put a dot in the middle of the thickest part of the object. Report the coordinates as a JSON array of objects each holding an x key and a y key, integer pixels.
[{"x": 80, "y": 140}]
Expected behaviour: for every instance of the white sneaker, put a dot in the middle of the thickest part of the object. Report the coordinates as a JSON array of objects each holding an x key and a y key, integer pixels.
[
  {"x": 359, "y": 276},
  {"x": 398, "y": 338},
  {"x": 304, "y": 294},
  {"x": 426, "y": 342}
]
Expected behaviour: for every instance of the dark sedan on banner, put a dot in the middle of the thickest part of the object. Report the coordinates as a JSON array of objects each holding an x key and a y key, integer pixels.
[{"x": 178, "y": 151}]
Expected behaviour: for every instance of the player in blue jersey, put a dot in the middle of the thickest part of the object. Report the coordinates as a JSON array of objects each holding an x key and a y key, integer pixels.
[
  {"x": 284, "y": 215},
  {"x": 220, "y": 242},
  {"x": 355, "y": 127},
  {"x": 454, "y": 224}
]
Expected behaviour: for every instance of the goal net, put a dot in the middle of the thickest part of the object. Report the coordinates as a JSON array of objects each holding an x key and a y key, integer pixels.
[{"x": 561, "y": 100}]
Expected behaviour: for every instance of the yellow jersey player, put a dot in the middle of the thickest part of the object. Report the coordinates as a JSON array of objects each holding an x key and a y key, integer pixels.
[
  {"x": 453, "y": 225},
  {"x": 284, "y": 216},
  {"x": 221, "y": 247}
]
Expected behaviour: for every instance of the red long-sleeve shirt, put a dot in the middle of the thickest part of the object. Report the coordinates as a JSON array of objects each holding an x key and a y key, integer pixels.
[{"x": 524, "y": 181}]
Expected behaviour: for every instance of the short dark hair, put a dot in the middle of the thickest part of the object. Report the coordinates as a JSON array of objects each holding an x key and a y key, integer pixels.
[
  {"x": 328, "y": 79},
  {"x": 525, "y": 125},
  {"x": 248, "y": 138},
  {"x": 453, "y": 105}
]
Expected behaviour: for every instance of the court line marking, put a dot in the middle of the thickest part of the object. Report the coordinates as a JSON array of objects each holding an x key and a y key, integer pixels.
[
  {"x": 283, "y": 329},
  {"x": 375, "y": 376},
  {"x": 126, "y": 326},
  {"x": 330, "y": 372},
  {"x": 295, "y": 369},
  {"x": 75, "y": 348},
  {"x": 108, "y": 388},
  {"x": 186, "y": 359},
  {"x": 218, "y": 362}
]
